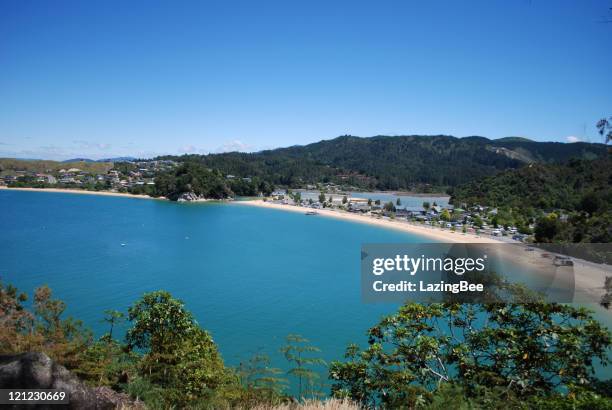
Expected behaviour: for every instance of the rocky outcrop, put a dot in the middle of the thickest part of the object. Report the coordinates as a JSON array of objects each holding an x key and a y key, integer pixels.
[
  {"x": 38, "y": 371},
  {"x": 189, "y": 197}
]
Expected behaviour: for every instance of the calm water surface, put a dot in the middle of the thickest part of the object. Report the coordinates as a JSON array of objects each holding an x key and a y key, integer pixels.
[{"x": 250, "y": 275}]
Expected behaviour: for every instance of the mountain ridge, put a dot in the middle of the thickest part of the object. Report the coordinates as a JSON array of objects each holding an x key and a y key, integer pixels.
[{"x": 393, "y": 162}]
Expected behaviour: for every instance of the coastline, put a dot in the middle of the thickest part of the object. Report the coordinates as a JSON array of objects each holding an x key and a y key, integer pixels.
[
  {"x": 589, "y": 277},
  {"x": 81, "y": 192},
  {"x": 433, "y": 233}
]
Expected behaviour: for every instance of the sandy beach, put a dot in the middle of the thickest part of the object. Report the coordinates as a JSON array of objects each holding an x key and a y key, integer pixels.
[
  {"x": 434, "y": 233},
  {"x": 81, "y": 192},
  {"x": 589, "y": 277}
]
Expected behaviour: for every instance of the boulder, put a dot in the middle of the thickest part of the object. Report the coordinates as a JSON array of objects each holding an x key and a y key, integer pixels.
[
  {"x": 188, "y": 197},
  {"x": 38, "y": 371}
]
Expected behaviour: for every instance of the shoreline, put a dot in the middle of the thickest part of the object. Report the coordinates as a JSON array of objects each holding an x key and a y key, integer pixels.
[
  {"x": 81, "y": 192},
  {"x": 434, "y": 233},
  {"x": 589, "y": 277}
]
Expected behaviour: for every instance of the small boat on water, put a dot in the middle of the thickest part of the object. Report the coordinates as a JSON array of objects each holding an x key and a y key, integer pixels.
[{"x": 311, "y": 213}]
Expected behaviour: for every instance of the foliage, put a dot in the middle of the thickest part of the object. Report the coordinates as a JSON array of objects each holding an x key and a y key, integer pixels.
[
  {"x": 196, "y": 178},
  {"x": 604, "y": 126},
  {"x": 389, "y": 207},
  {"x": 437, "y": 356},
  {"x": 580, "y": 190},
  {"x": 527, "y": 350},
  {"x": 178, "y": 354},
  {"x": 298, "y": 352},
  {"x": 113, "y": 317},
  {"x": 262, "y": 383},
  {"x": 42, "y": 330},
  {"x": 391, "y": 163}
]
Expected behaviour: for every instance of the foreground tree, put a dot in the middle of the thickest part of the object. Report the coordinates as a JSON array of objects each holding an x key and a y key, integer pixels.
[
  {"x": 113, "y": 318},
  {"x": 298, "y": 353},
  {"x": 520, "y": 350},
  {"x": 261, "y": 381},
  {"x": 178, "y": 355}
]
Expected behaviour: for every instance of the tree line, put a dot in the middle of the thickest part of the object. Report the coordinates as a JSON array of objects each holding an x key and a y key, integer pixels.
[
  {"x": 423, "y": 163},
  {"x": 483, "y": 355},
  {"x": 567, "y": 202}
]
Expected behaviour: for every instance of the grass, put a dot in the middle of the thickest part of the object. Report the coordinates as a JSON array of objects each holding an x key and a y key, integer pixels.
[{"x": 9, "y": 166}]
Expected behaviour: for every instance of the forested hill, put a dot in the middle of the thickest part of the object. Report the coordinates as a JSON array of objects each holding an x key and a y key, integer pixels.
[
  {"x": 398, "y": 162},
  {"x": 580, "y": 190},
  {"x": 576, "y": 185}
]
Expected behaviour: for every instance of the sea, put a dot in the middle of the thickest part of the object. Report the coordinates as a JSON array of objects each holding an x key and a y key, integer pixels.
[{"x": 249, "y": 275}]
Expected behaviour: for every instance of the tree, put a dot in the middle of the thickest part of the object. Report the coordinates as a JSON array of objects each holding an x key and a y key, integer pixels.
[
  {"x": 113, "y": 317},
  {"x": 605, "y": 128},
  {"x": 261, "y": 380},
  {"x": 389, "y": 207},
  {"x": 369, "y": 201},
  {"x": 344, "y": 199},
  {"x": 41, "y": 327},
  {"x": 159, "y": 321},
  {"x": 527, "y": 349},
  {"x": 179, "y": 355},
  {"x": 297, "y": 351},
  {"x": 398, "y": 202},
  {"x": 546, "y": 228},
  {"x": 192, "y": 177},
  {"x": 321, "y": 197},
  {"x": 590, "y": 203},
  {"x": 426, "y": 206},
  {"x": 445, "y": 215}
]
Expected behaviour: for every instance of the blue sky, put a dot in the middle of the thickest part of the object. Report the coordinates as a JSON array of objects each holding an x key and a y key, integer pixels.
[{"x": 107, "y": 78}]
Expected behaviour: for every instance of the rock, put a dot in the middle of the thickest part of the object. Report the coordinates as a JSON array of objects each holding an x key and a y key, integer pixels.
[
  {"x": 189, "y": 197},
  {"x": 38, "y": 371}
]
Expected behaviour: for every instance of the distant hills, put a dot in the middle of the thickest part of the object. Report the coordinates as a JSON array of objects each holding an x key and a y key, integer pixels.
[
  {"x": 394, "y": 162},
  {"x": 412, "y": 162},
  {"x": 11, "y": 165},
  {"x": 117, "y": 159}
]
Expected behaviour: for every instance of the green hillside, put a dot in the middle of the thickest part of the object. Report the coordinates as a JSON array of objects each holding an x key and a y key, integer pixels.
[
  {"x": 11, "y": 166},
  {"x": 390, "y": 163},
  {"x": 571, "y": 200}
]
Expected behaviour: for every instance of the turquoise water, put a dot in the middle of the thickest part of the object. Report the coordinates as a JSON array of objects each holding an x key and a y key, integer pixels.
[{"x": 250, "y": 275}]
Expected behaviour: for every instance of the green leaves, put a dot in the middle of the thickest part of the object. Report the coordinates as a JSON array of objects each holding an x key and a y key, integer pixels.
[
  {"x": 178, "y": 354},
  {"x": 299, "y": 352},
  {"x": 528, "y": 349}
]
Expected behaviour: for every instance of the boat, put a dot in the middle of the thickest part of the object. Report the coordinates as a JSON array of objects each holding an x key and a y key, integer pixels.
[
  {"x": 312, "y": 213},
  {"x": 563, "y": 261}
]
